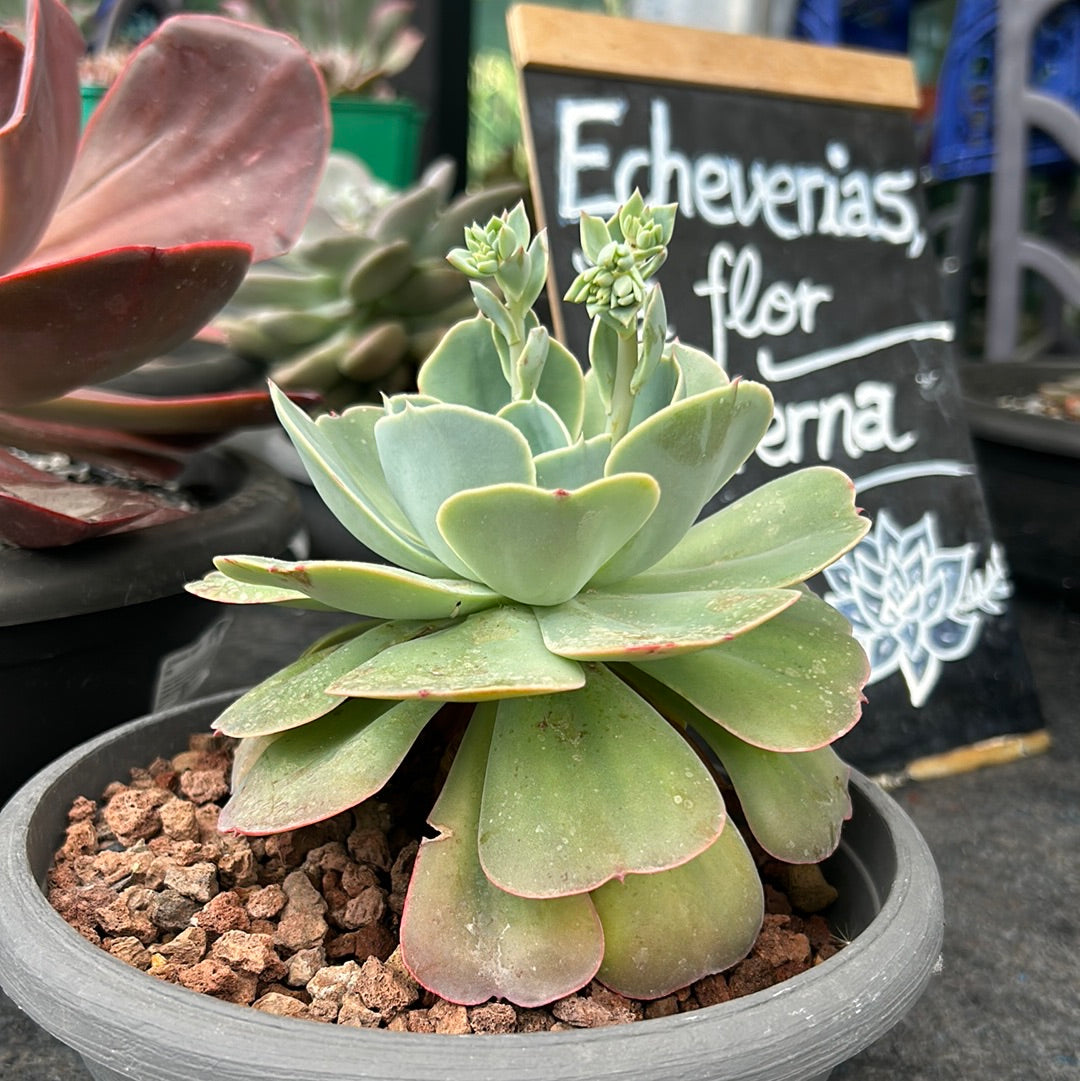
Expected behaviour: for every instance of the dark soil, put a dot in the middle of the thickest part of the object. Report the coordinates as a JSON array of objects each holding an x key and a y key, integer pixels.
[{"x": 304, "y": 923}]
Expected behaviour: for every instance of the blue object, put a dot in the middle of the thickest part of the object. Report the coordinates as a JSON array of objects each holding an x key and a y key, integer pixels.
[
  {"x": 867, "y": 24},
  {"x": 963, "y": 138}
]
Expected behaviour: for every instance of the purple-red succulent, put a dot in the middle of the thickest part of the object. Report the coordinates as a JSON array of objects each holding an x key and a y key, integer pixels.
[{"x": 115, "y": 248}]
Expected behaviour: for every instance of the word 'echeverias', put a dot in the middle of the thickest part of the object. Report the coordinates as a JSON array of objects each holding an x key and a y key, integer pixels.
[{"x": 550, "y": 570}]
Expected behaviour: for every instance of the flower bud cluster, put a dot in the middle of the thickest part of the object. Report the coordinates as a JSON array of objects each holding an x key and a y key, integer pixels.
[{"x": 624, "y": 252}]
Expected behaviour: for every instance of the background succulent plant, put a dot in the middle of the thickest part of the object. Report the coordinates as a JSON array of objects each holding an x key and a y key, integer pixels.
[
  {"x": 352, "y": 310},
  {"x": 550, "y": 576},
  {"x": 117, "y": 248},
  {"x": 357, "y": 44}
]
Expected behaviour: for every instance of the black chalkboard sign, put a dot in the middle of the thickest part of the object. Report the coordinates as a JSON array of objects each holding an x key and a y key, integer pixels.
[{"x": 800, "y": 259}]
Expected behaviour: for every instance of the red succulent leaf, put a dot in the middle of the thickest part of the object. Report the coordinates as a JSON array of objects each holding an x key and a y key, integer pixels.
[
  {"x": 139, "y": 456},
  {"x": 214, "y": 130},
  {"x": 45, "y": 514},
  {"x": 40, "y": 111},
  {"x": 89, "y": 319},
  {"x": 203, "y": 414}
]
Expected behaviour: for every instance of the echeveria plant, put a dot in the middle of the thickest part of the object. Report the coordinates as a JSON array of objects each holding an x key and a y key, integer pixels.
[
  {"x": 550, "y": 575},
  {"x": 204, "y": 156}
]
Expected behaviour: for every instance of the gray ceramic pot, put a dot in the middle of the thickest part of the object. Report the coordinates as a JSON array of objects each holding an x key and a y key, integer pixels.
[{"x": 127, "y": 1025}]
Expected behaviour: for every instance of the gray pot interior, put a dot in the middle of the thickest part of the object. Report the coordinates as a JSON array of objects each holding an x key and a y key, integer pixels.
[{"x": 126, "y": 1024}]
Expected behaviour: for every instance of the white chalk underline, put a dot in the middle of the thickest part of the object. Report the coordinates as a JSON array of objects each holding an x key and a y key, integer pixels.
[
  {"x": 778, "y": 370},
  {"x": 894, "y": 474}
]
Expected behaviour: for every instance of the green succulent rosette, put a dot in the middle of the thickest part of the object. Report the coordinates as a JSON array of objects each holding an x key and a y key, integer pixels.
[{"x": 546, "y": 564}]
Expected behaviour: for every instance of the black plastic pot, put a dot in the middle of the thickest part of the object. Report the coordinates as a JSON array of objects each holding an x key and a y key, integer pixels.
[
  {"x": 127, "y": 1025},
  {"x": 84, "y": 629},
  {"x": 1030, "y": 469}
]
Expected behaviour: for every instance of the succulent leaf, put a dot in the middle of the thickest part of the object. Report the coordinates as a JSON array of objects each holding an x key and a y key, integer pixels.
[
  {"x": 273, "y": 284},
  {"x": 538, "y": 422},
  {"x": 594, "y": 237},
  {"x": 541, "y": 547},
  {"x": 573, "y": 466},
  {"x": 653, "y": 333},
  {"x": 792, "y": 684},
  {"x": 603, "y": 359},
  {"x": 664, "y": 931},
  {"x": 297, "y": 694},
  {"x": 795, "y": 804},
  {"x": 342, "y": 461},
  {"x": 291, "y": 697},
  {"x": 601, "y": 625},
  {"x": 698, "y": 372},
  {"x": 784, "y": 532},
  {"x": 37, "y": 142},
  {"x": 311, "y": 773},
  {"x": 496, "y": 653},
  {"x": 467, "y": 940},
  {"x": 657, "y": 393},
  {"x": 367, "y": 589},
  {"x": 428, "y": 454},
  {"x": 478, "y": 383},
  {"x": 216, "y": 586},
  {"x": 692, "y": 448},
  {"x": 641, "y": 799},
  {"x": 380, "y": 270},
  {"x": 143, "y": 300},
  {"x": 134, "y": 182}
]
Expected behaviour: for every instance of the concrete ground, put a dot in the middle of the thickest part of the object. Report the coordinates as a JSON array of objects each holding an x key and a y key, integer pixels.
[{"x": 1006, "y": 1005}]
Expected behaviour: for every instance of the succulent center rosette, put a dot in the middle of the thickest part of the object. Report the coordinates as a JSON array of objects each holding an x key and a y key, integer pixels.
[{"x": 546, "y": 565}]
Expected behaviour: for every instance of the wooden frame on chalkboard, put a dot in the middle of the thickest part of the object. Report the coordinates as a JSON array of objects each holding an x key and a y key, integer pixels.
[{"x": 560, "y": 40}]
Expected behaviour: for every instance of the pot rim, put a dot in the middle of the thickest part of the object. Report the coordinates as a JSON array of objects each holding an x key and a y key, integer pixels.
[
  {"x": 254, "y": 504},
  {"x": 156, "y": 1031}
]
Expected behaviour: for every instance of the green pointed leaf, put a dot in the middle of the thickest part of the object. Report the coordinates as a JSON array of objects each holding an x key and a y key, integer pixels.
[
  {"x": 517, "y": 222},
  {"x": 594, "y": 415},
  {"x": 496, "y": 653},
  {"x": 783, "y": 532},
  {"x": 792, "y": 684},
  {"x": 653, "y": 335},
  {"x": 466, "y": 940},
  {"x": 595, "y": 236},
  {"x": 369, "y": 589},
  {"x": 341, "y": 458},
  {"x": 528, "y": 368},
  {"x": 298, "y": 693},
  {"x": 432, "y": 453},
  {"x": 603, "y": 359},
  {"x": 795, "y": 804},
  {"x": 664, "y": 931},
  {"x": 590, "y": 785},
  {"x": 692, "y": 448},
  {"x": 541, "y": 547},
  {"x": 573, "y": 466},
  {"x": 562, "y": 386},
  {"x": 609, "y": 626},
  {"x": 312, "y": 773},
  {"x": 660, "y": 391},
  {"x": 216, "y": 586},
  {"x": 495, "y": 310},
  {"x": 539, "y": 423},
  {"x": 698, "y": 372}
]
